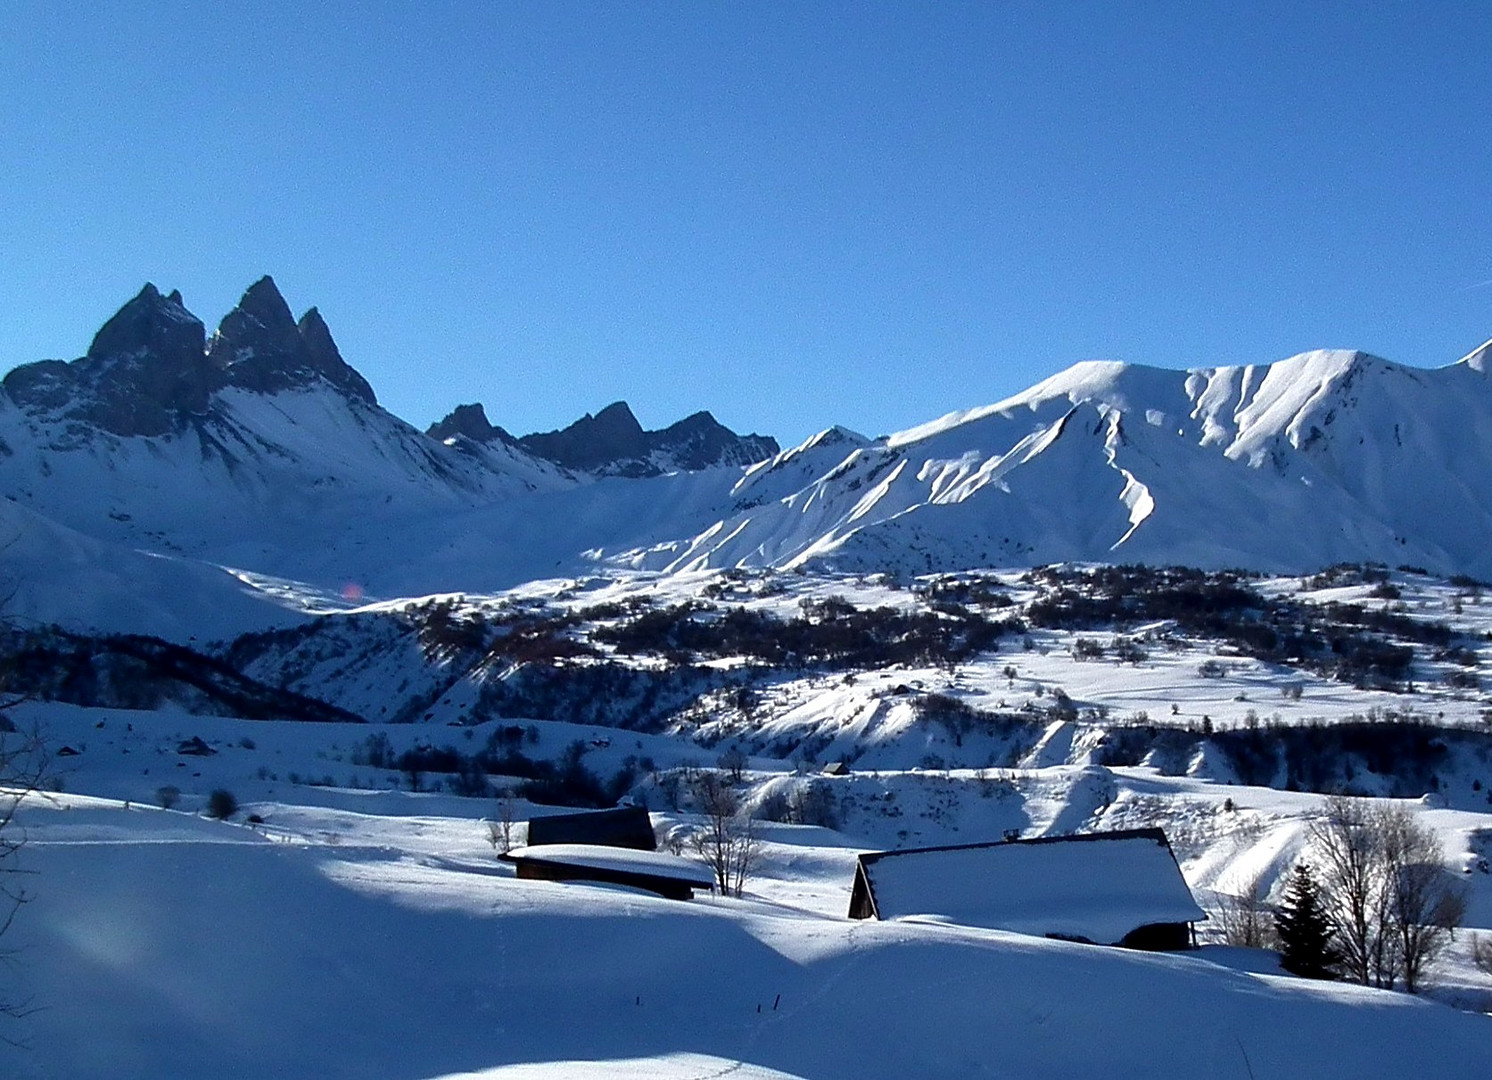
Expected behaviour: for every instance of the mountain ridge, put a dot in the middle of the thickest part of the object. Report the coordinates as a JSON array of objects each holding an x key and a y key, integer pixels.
[{"x": 260, "y": 449}]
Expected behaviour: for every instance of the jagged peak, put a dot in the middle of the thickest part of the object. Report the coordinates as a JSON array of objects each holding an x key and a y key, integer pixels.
[
  {"x": 618, "y": 415},
  {"x": 614, "y": 441},
  {"x": 148, "y": 320},
  {"x": 260, "y": 326},
  {"x": 831, "y": 436},
  {"x": 326, "y": 359},
  {"x": 468, "y": 421},
  {"x": 263, "y": 300}
]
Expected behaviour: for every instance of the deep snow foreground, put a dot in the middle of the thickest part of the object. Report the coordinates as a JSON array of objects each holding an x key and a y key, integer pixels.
[{"x": 164, "y": 945}]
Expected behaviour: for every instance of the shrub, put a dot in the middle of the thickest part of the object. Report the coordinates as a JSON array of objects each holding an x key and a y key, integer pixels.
[
  {"x": 221, "y": 804},
  {"x": 167, "y": 796}
]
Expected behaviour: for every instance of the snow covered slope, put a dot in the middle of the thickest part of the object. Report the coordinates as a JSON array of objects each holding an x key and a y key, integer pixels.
[
  {"x": 329, "y": 943},
  {"x": 1323, "y": 457}
]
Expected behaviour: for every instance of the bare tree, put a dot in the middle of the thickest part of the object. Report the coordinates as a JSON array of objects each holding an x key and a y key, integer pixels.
[
  {"x": 1351, "y": 860},
  {"x": 1244, "y": 918},
  {"x": 24, "y": 762},
  {"x": 23, "y": 765},
  {"x": 727, "y": 842},
  {"x": 1425, "y": 903},
  {"x": 1481, "y": 952},
  {"x": 500, "y": 831},
  {"x": 507, "y": 812},
  {"x": 734, "y": 762},
  {"x": 1395, "y": 904}
]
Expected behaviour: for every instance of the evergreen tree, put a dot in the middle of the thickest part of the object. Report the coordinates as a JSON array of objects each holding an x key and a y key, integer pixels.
[{"x": 1305, "y": 928}]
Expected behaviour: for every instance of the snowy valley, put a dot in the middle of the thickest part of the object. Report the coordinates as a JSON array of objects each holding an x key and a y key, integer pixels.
[{"x": 1204, "y": 601}]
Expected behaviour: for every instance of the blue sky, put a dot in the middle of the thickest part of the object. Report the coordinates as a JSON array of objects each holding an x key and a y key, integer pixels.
[{"x": 790, "y": 214}]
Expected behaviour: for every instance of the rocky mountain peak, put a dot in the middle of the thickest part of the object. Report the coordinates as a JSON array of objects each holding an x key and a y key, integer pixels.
[
  {"x": 612, "y": 442},
  {"x": 144, "y": 366},
  {"x": 324, "y": 358},
  {"x": 260, "y": 347},
  {"x": 151, "y": 364},
  {"x": 151, "y": 324},
  {"x": 611, "y": 438},
  {"x": 260, "y": 331},
  {"x": 700, "y": 441},
  {"x": 468, "y": 421}
]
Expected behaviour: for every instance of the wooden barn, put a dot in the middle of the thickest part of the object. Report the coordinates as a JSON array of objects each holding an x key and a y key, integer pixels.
[
  {"x": 624, "y": 827},
  {"x": 656, "y": 871},
  {"x": 1115, "y": 888}
]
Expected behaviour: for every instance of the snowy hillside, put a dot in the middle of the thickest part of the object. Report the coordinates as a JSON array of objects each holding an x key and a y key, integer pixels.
[
  {"x": 356, "y": 933},
  {"x": 351, "y": 918},
  {"x": 1325, "y": 457}
]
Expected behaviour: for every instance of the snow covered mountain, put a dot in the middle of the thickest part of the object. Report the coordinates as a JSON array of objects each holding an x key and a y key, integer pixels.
[
  {"x": 1326, "y": 456},
  {"x": 261, "y": 450},
  {"x": 160, "y": 437}
]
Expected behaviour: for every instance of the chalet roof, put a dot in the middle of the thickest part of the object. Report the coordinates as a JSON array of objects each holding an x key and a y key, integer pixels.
[
  {"x": 656, "y": 864},
  {"x": 1096, "y": 887},
  {"x": 624, "y": 827}
]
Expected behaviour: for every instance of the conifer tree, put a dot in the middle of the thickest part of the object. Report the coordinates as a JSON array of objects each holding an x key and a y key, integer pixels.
[{"x": 1305, "y": 929}]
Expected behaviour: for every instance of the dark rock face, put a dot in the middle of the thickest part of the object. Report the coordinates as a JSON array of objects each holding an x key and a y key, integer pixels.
[
  {"x": 326, "y": 361},
  {"x": 612, "y": 436},
  {"x": 151, "y": 323},
  {"x": 468, "y": 421},
  {"x": 150, "y": 366},
  {"x": 145, "y": 365},
  {"x": 260, "y": 347},
  {"x": 259, "y": 332},
  {"x": 700, "y": 441},
  {"x": 614, "y": 443}
]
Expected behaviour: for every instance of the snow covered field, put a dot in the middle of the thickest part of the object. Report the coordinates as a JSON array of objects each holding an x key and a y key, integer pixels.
[{"x": 363, "y": 934}]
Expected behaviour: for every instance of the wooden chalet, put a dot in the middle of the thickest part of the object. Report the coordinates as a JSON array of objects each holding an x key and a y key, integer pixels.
[
  {"x": 1115, "y": 888},
  {"x": 655, "y": 871}
]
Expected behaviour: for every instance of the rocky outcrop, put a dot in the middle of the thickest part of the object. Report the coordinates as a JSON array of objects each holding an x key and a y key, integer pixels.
[
  {"x": 468, "y": 422},
  {"x": 325, "y": 360},
  {"x": 260, "y": 347},
  {"x": 700, "y": 441},
  {"x": 146, "y": 366},
  {"x": 611, "y": 438},
  {"x": 151, "y": 367},
  {"x": 613, "y": 443}
]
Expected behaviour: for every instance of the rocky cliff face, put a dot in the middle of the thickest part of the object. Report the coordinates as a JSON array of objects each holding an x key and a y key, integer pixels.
[
  {"x": 145, "y": 368},
  {"x": 613, "y": 443},
  {"x": 468, "y": 422},
  {"x": 259, "y": 346},
  {"x": 150, "y": 367}
]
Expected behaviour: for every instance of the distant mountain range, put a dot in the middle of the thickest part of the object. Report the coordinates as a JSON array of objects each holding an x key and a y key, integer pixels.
[{"x": 139, "y": 475}]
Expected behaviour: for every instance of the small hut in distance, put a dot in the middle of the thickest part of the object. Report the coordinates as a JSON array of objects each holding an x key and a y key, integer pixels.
[{"x": 1116, "y": 888}]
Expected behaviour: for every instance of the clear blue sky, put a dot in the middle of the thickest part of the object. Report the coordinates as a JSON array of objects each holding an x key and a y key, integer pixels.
[{"x": 792, "y": 214}]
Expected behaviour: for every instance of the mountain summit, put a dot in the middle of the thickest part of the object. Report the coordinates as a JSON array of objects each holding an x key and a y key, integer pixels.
[
  {"x": 150, "y": 367},
  {"x": 260, "y": 347},
  {"x": 613, "y": 443},
  {"x": 145, "y": 367}
]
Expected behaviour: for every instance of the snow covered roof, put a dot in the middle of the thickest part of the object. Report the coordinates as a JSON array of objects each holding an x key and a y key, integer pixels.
[
  {"x": 658, "y": 864},
  {"x": 623, "y": 827},
  {"x": 1098, "y": 887}
]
